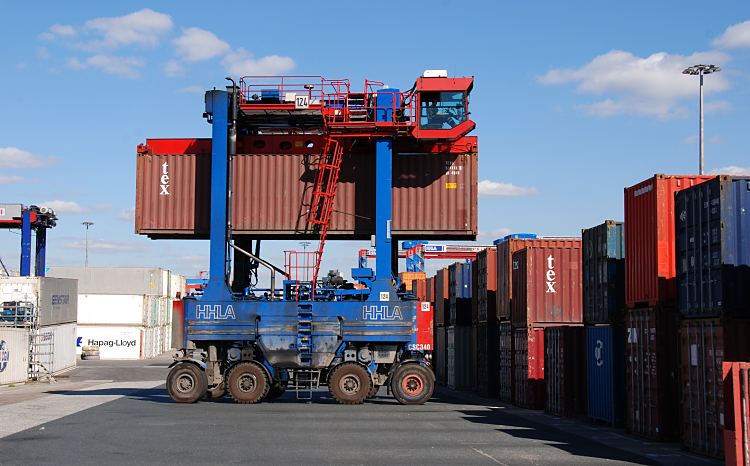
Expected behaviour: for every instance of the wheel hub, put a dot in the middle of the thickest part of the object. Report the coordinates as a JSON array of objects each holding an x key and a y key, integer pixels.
[
  {"x": 185, "y": 383},
  {"x": 247, "y": 383},
  {"x": 412, "y": 385},
  {"x": 349, "y": 384}
]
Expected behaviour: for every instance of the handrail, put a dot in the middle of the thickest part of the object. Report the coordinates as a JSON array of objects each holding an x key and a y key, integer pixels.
[{"x": 268, "y": 265}]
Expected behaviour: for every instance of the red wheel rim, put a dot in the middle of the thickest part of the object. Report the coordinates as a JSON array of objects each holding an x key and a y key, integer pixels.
[{"x": 412, "y": 385}]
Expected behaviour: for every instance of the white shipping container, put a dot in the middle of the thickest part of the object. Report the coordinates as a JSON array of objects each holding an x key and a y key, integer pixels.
[
  {"x": 55, "y": 299},
  {"x": 117, "y": 280},
  {"x": 178, "y": 286},
  {"x": 119, "y": 310},
  {"x": 63, "y": 348},
  {"x": 114, "y": 342},
  {"x": 14, "y": 355}
]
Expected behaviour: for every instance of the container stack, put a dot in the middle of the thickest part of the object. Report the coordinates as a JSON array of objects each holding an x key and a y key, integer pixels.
[
  {"x": 603, "y": 305},
  {"x": 546, "y": 284},
  {"x": 440, "y": 355},
  {"x": 651, "y": 349},
  {"x": 486, "y": 327},
  {"x": 461, "y": 366},
  {"x": 713, "y": 273},
  {"x": 126, "y": 312}
]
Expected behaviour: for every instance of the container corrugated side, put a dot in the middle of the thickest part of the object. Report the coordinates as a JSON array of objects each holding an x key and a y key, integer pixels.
[
  {"x": 14, "y": 355},
  {"x": 459, "y": 361},
  {"x": 487, "y": 286},
  {"x": 736, "y": 413},
  {"x": 605, "y": 374},
  {"x": 564, "y": 371},
  {"x": 650, "y": 264},
  {"x": 547, "y": 284},
  {"x": 528, "y": 367},
  {"x": 442, "y": 298},
  {"x": 55, "y": 299},
  {"x": 116, "y": 280},
  {"x": 459, "y": 293},
  {"x": 704, "y": 345},
  {"x": 603, "y": 250},
  {"x": 474, "y": 292},
  {"x": 505, "y": 361},
  {"x": 434, "y": 195},
  {"x": 651, "y": 373},
  {"x": 63, "y": 339},
  {"x": 487, "y": 360},
  {"x": 178, "y": 324},
  {"x": 440, "y": 355},
  {"x": 713, "y": 252}
]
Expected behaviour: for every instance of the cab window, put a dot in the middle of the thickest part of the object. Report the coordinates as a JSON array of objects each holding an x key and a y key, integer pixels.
[{"x": 442, "y": 110}]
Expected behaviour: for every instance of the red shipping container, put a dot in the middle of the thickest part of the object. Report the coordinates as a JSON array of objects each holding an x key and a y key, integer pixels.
[
  {"x": 419, "y": 288},
  {"x": 650, "y": 263},
  {"x": 474, "y": 291},
  {"x": 565, "y": 371},
  {"x": 486, "y": 281},
  {"x": 441, "y": 297},
  {"x": 704, "y": 345},
  {"x": 651, "y": 389},
  {"x": 528, "y": 370},
  {"x": 547, "y": 284},
  {"x": 505, "y": 361},
  {"x": 736, "y": 413}
]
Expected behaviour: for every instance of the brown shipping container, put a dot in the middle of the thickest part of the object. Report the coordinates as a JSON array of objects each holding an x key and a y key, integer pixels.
[
  {"x": 474, "y": 291},
  {"x": 651, "y": 390},
  {"x": 487, "y": 286},
  {"x": 408, "y": 278},
  {"x": 505, "y": 361},
  {"x": 430, "y": 290},
  {"x": 704, "y": 345},
  {"x": 650, "y": 263},
  {"x": 434, "y": 195},
  {"x": 736, "y": 413},
  {"x": 505, "y": 251},
  {"x": 419, "y": 288},
  {"x": 565, "y": 371},
  {"x": 547, "y": 284},
  {"x": 441, "y": 297},
  {"x": 528, "y": 367}
]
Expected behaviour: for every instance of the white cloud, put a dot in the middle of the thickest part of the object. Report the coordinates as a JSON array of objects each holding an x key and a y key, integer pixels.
[
  {"x": 493, "y": 188},
  {"x": 735, "y": 36},
  {"x": 108, "y": 246},
  {"x": 173, "y": 69},
  {"x": 144, "y": 27},
  {"x": 126, "y": 67},
  {"x": 58, "y": 30},
  {"x": 693, "y": 139},
  {"x": 13, "y": 157},
  {"x": 42, "y": 52},
  {"x": 196, "y": 44},
  {"x": 731, "y": 170},
  {"x": 487, "y": 237},
  {"x": 194, "y": 89},
  {"x": 69, "y": 207},
  {"x": 716, "y": 106},
  {"x": 12, "y": 179},
  {"x": 240, "y": 62},
  {"x": 127, "y": 215},
  {"x": 651, "y": 86},
  {"x": 101, "y": 207}
]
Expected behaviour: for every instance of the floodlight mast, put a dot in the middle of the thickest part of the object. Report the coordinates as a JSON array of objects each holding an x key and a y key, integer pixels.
[{"x": 700, "y": 70}]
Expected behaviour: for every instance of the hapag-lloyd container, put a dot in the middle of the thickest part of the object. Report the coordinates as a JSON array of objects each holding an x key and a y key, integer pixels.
[
  {"x": 528, "y": 367},
  {"x": 713, "y": 248},
  {"x": 459, "y": 293},
  {"x": 487, "y": 286},
  {"x": 605, "y": 374},
  {"x": 564, "y": 371},
  {"x": 434, "y": 194},
  {"x": 651, "y": 373},
  {"x": 547, "y": 284},
  {"x": 505, "y": 361},
  {"x": 650, "y": 264},
  {"x": 441, "y": 297},
  {"x": 704, "y": 345},
  {"x": 603, "y": 273},
  {"x": 487, "y": 359},
  {"x": 737, "y": 413}
]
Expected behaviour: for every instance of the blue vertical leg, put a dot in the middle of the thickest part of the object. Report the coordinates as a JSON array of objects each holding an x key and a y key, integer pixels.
[
  {"x": 217, "y": 105},
  {"x": 26, "y": 243},
  {"x": 41, "y": 252}
]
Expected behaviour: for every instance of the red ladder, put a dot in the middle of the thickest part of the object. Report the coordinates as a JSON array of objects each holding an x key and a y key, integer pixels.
[{"x": 324, "y": 193}]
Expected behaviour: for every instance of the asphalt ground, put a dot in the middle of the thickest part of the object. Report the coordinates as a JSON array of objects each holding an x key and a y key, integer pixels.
[{"x": 117, "y": 412}]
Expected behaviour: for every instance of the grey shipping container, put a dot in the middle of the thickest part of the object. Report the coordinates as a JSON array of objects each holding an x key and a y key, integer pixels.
[
  {"x": 505, "y": 361},
  {"x": 713, "y": 248},
  {"x": 605, "y": 374},
  {"x": 117, "y": 280},
  {"x": 55, "y": 300},
  {"x": 604, "y": 273}
]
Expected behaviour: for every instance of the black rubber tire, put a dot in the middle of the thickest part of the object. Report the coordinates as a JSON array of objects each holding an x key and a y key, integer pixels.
[
  {"x": 247, "y": 383},
  {"x": 373, "y": 392},
  {"x": 412, "y": 384},
  {"x": 186, "y": 383},
  {"x": 350, "y": 383},
  {"x": 216, "y": 393},
  {"x": 275, "y": 392}
]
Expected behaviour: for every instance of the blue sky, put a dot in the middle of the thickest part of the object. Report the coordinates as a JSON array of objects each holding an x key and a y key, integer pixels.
[{"x": 573, "y": 100}]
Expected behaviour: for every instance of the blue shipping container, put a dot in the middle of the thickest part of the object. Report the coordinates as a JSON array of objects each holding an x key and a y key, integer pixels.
[
  {"x": 603, "y": 273},
  {"x": 605, "y": 374},
  {"x": 459, "y": 293},
  {"x": 713, "y": 248}
]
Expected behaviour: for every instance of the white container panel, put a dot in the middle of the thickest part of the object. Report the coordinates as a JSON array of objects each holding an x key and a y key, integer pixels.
[
  {"x": 114, "y": 342},
  {"x": 63, "y": 338},
  {"x": 115, "y": 280},
  {"x": 177, "y": 287},
  {"x": 14, "y": 355},
  {"x": 113, "y": 309},
  {"x": 54, "y": 299}
]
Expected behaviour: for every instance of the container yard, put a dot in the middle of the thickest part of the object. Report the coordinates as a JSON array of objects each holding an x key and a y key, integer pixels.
[{"x": 298, "y": 247}]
